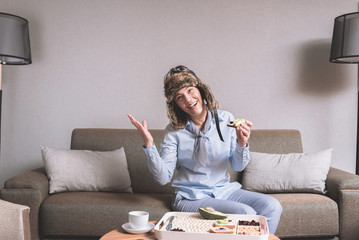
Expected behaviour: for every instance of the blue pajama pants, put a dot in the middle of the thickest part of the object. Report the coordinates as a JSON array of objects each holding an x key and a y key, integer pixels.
[{"x": 239, "y": 202}]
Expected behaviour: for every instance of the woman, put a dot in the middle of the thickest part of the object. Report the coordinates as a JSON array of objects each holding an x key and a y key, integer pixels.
[{"x": 199, "y": 145}]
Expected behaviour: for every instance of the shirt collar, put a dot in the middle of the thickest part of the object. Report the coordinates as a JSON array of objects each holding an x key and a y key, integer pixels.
[{"x": 220, "y": 118}]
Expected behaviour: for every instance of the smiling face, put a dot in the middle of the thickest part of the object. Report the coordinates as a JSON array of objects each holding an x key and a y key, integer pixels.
[{"x": 189, "y": 99}]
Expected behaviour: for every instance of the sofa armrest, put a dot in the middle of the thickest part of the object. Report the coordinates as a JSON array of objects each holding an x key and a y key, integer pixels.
[
  {"x": 343, "y": 187},
  {"x": 339, "y": 180},
  {"x": 30, "y": 189}
]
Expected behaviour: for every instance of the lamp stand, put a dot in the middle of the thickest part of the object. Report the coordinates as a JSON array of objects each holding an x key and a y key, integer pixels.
[
  {"x": 357, "y": 156},
  {"x": 0, "y": 100}
]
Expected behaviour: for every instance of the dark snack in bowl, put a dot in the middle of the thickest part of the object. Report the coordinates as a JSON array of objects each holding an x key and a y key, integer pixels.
[
  {"x": 248, "y": 223},
  {"x": 177, "y": 230},
  {"x": 248, "y": 227}
]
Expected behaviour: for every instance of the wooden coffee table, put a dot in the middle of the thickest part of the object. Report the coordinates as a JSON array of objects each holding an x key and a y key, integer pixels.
[{"x": 118, "y": 234}]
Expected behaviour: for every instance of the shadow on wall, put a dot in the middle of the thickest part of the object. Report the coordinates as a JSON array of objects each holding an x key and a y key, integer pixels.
[{"x": 317, "y": 75}]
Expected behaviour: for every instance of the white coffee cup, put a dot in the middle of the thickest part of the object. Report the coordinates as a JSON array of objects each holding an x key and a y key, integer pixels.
[{"x": 138, "y": 219}]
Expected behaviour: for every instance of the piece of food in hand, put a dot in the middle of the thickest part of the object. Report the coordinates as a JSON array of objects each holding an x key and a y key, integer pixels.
[
  {"x": 222, "y": 230},
  {"x": 225, "y": 223},
  {"x": 236, "y": 122},
  {"x": 210, "y": 213}
]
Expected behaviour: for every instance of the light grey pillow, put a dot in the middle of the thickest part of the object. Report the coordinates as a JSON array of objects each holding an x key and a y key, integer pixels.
[
  {"x": 84, "y": 170},
  {"x": 294, "y": 172}
]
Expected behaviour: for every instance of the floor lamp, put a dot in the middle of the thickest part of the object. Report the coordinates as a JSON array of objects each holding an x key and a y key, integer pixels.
[
  {"x": 14, "y": 44},
  {"x": 345, "y": 49}
]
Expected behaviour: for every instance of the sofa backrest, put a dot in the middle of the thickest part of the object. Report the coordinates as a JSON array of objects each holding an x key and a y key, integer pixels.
[
  {"x": 272, "y": 141},
  {"x": 105, "y": 139}
]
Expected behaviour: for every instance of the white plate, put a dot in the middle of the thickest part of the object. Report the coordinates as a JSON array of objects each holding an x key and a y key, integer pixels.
[{"x": 127, "y": 227}]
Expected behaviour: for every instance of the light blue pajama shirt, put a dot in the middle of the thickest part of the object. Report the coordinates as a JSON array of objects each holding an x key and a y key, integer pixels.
[{"x": 204, "y": 175}]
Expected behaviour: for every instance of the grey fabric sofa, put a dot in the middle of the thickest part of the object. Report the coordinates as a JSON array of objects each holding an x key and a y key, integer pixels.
[{"x": 89, "y": 215}]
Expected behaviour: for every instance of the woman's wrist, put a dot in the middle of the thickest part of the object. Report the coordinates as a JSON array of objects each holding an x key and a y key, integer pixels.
[
  {"x": 148, "y": 144},
  {"x": 242, "y": 144}
]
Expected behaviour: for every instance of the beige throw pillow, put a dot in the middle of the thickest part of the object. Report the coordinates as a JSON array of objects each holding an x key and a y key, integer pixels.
[
  {"x": 294, "y": 172},
  {"x": 84, "y": 170}
]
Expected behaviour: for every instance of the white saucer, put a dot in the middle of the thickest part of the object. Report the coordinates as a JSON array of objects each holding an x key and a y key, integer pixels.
[{"x": 127, "y": 227}]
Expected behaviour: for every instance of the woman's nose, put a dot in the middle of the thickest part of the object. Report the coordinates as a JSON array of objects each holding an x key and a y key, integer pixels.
[{"x": 187, "y": 97}]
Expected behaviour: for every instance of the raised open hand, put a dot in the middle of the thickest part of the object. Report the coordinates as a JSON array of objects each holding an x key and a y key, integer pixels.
[{"x": 142, "y": 129}]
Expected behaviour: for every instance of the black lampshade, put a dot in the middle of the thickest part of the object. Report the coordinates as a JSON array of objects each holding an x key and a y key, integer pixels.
[
  {"x": 14, "y": 40},
  {"x": 345, "y": 41}
]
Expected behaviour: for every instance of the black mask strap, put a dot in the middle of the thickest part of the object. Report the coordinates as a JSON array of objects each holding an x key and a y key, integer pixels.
[{"x": 217, "y": 124}]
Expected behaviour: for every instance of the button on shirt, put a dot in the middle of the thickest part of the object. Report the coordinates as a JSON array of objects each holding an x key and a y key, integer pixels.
[{"x": 203, "y": 172}]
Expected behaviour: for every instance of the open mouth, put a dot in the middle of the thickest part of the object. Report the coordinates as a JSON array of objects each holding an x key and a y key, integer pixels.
[{"x": 193, "y": 105}]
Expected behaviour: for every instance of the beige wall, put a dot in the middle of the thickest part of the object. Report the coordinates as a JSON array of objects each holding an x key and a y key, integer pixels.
[{"x": 95, "y": 60}]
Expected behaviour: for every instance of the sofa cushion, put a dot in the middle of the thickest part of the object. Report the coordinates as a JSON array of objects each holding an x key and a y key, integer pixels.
[
  {"x": 98, "y": 139},
  {"x": 275, "y": 141},
  {"x": 96, "y": 213},
  {"x": 293, "y": 172},
  {"x": 84, "y": 170},
  {"x": 307, "y": 215}
]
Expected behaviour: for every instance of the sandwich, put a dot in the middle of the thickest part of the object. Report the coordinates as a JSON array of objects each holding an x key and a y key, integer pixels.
[
  {"x": 236, "y": 122},
  {"x": 225, "y": 223},
  {"x": 221, "y": 230}
]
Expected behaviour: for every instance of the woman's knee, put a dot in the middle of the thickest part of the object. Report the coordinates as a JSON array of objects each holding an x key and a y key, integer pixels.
[
  {"x": 248, "y": 210},
  {"x": 274, "y": 207},
  {"x": 235, "y": 208}
]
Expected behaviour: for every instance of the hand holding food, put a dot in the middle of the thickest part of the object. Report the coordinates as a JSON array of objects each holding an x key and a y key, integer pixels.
[{"x": 243, "y": 130}]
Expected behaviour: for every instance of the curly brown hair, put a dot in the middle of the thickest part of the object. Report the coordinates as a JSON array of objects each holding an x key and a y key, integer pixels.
[{"x": 177, "y": 78}]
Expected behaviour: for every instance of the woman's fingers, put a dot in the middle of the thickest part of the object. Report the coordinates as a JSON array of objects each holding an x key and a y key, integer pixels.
[
  {"x": 249, "y": 124},
  {"x": 144, "y": 124},
  {"x": 244, "y": 132},
  {"x": 245, "y": 129},
  {"x": 132, "y": 119},
  {"x": 142, "y": 128},
  {"x": 135, "y": 123}
]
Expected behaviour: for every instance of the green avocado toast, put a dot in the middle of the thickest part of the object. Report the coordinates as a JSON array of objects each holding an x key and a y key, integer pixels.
[
  {"x": 210, "y": 213},
  {"x": 236, "y": 122}
]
